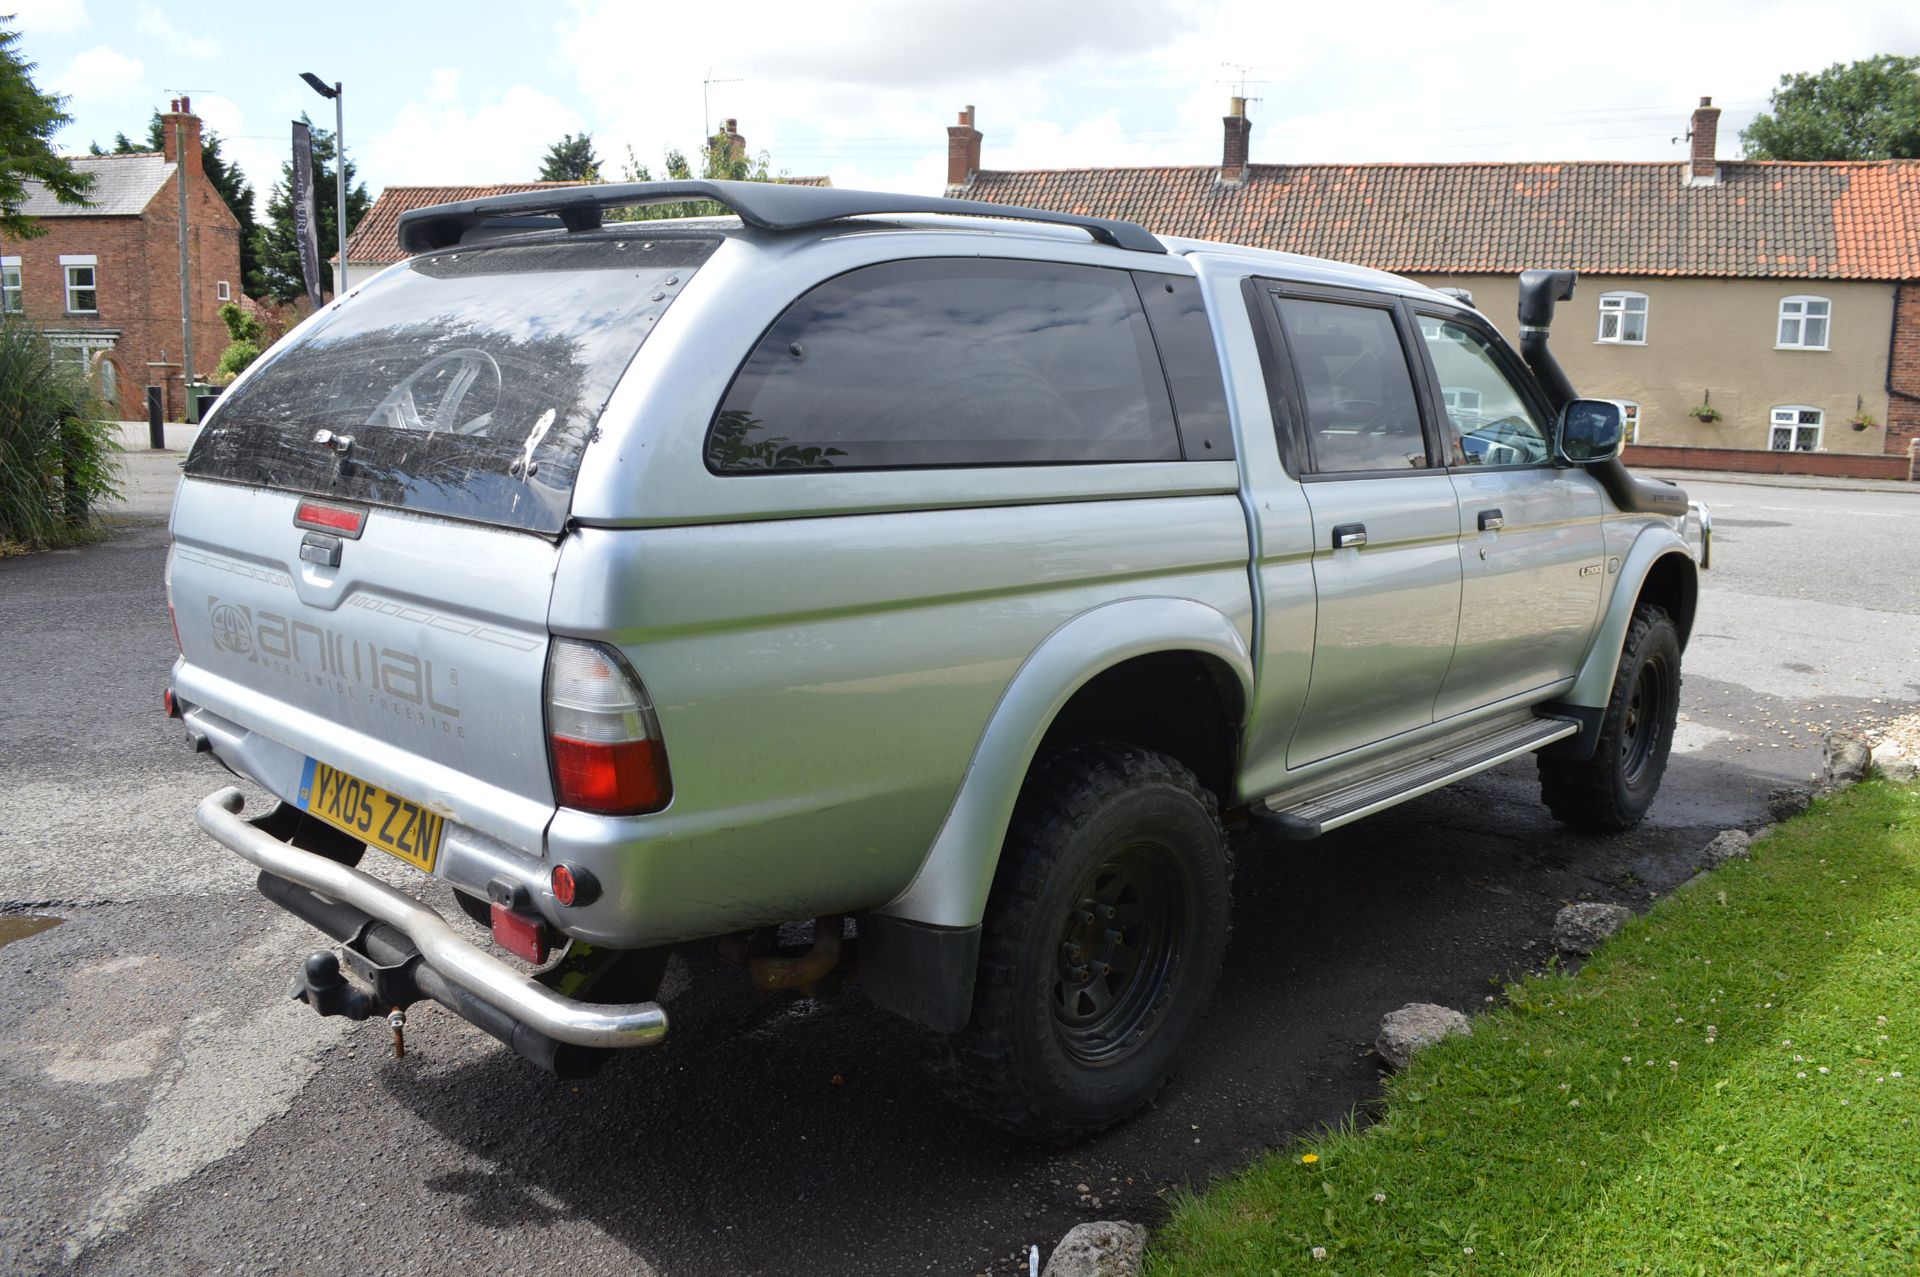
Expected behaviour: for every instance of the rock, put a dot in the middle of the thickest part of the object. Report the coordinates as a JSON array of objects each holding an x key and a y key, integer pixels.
[
  {"x": 1897, "y": 765},
  {"x": 1728, "y": 844},
  {"x": 1415, "y": 1025},
  {"x": 1581, "y": 928},
  {"x": 1787, "y": 802},
  {"x": 1105, "y": 1248},
  {"x": 1847, "y": 759}
]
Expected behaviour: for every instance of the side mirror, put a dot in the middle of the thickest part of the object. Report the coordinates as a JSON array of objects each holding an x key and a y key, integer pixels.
[{"x": 1590, "y": 430}]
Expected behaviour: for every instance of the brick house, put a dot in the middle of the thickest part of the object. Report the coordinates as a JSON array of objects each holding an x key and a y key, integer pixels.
[
  {"x": 103, "y": 283},
  {"x": 1784, "y": 296}
]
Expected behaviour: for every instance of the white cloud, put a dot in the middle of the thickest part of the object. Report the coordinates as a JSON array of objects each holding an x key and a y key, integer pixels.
[
  {"x": 443, "y": 84},
  {"x": 49, "y": 17},
  {"x": 866, "y": 95},
  {"x": 440, "y": 142},
  {"x": 103, "y": 76},
  {"x": 155, "y": 23}
]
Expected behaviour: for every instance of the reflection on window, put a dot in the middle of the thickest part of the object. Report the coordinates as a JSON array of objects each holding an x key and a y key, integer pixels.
[
  {"x": 1623, "y": 318},
  {"x": 1803, "y": 322},
  {"x": 1355, "y": 386},
  {"x": 1795, "y": 429},
  {"x": 1495, "y": 424},
  {"x": 951, "y": 362}
]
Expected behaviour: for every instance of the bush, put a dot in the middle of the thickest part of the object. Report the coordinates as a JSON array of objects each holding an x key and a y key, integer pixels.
[
  {"x": 58, "y": 455},
  {"x": 246, "y": 333}
]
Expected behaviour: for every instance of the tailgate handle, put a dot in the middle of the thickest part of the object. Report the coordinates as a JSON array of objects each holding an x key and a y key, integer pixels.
[{"x": 318, "y": 547}]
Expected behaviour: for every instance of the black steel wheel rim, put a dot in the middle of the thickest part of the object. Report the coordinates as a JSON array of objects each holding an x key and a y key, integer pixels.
[
  {"x": 1646, "y": 716},
  {"x": 1116, "y": 950}
]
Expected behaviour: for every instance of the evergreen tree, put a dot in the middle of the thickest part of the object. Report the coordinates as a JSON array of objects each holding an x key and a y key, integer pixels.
[
  {"x": 571, "y": 159},
  {"x": 28, "y": 121},
  {"x": 1862, "y": 111},
  {"x": 718, "y": 162},
  {"x": 278, "y": 249}
]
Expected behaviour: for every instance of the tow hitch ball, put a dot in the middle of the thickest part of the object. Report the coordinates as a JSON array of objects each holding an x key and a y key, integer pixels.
[{"x": 321, "y": 986}]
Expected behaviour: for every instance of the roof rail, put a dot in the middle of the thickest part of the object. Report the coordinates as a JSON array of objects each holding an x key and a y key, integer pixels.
[{"x": 771, "y": 206}]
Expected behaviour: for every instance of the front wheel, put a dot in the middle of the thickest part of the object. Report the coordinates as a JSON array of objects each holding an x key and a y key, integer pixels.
[
  {"x": 1612, "y": 790},
  {"x": 1102, "y": 942}
]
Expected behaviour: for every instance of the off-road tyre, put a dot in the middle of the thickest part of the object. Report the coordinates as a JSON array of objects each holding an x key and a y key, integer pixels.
[
  {"x": 1057, "y": 1048},
  {"x": 1611, "y": 791}
]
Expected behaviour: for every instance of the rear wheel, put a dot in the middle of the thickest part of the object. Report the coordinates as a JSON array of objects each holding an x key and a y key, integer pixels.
[
  {"x": 1612, "y": 790},
  {"x": 1101, "y": 945}
]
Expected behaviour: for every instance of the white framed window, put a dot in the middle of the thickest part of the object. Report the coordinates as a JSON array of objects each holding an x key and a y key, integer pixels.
[
  {"x": 1630, "y": 426},
  {"x": 1623, "y": 319},
  {"x": 1795, "y": 428},
  {"x": 1804, "y": 323},
  {"x": 10, "y": 295},
  {"x": 83, "y": 296},
  {"x": 1461, "y": 400},
  {"x": 221, "y": 292}
]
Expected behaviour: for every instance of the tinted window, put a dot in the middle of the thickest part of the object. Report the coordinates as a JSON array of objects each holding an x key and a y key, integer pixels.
[
  {"x": 469, "y": 381},
  {"x": 951, "y": 362},
  {"x": 1496, "y": 424},
  {"x": 1179, "y": 319},
  {"x": 1355, "y": 388}
]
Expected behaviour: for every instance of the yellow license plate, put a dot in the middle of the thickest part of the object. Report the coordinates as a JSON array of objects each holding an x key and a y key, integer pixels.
[{"x": 387, "y": 821}]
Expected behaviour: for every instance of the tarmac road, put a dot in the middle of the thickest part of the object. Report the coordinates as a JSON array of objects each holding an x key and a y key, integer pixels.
[{"x": 164, "y": 1108}]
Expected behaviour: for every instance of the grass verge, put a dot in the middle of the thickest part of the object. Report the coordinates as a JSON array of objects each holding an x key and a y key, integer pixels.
[{"x": 1732, "y": 1085}]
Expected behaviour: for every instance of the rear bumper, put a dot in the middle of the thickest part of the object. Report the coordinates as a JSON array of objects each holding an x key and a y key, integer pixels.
[{"x": 462, "y": 965}]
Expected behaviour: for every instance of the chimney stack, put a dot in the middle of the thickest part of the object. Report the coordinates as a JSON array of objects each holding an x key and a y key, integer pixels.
[
  {"x": 1233, "y": 157},
  {"x": 180, "y": 135},
  {"x": 963, "y": 151},
  {"x": 1702, "y": 170},
  {"x": 736, "y": 145}
]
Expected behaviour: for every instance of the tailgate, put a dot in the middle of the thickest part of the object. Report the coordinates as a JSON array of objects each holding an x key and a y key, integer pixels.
[{"x": 418, "y": 663}]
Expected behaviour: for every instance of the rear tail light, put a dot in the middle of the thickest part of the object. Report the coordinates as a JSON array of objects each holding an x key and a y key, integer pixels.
[{"x": 602, "y": 736}]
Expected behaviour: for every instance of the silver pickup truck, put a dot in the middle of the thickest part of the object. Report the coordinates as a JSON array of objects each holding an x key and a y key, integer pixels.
[{"x": 940, "y": 575}]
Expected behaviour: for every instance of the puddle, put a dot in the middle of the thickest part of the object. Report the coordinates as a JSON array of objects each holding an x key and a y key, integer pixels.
[{"x": 18, "y": 926}]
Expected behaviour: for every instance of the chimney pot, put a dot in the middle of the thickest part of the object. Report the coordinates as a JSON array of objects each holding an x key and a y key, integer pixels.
[
  {"x": 963, "y": 151},
  {"x": 1702, "y": 166},
  {"x": 180, "y": 137}
]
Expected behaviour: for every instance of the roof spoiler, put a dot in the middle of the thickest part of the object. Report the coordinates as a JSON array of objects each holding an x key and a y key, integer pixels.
[
  {"x": 1539, "y": 290},
  {"x": 770, "y": 206}
]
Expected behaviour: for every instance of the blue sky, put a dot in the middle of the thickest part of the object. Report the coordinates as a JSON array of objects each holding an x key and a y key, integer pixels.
[{"x": 862, "y": 90}]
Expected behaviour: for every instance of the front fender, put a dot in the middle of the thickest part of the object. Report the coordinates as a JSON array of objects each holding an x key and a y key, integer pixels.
[
  {"x": 1594, "y": 685},
  {"x": 950, "y": 889}
]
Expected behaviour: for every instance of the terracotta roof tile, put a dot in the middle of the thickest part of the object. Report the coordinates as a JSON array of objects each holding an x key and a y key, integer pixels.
[{"x": 1840, "y": 220}]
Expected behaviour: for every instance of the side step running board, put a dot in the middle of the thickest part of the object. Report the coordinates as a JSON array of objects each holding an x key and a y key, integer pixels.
[{"x": 1311, "y": 817}]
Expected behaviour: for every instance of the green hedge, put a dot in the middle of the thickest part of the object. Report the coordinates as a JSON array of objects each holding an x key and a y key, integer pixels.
[{"x": 58, "y": 455}]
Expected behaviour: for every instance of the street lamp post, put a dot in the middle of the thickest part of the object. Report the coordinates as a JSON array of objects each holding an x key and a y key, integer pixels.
[{"x": 326, "y": 90}]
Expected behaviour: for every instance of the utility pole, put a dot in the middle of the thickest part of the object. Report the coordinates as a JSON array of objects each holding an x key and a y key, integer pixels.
[{"x": 189, "y": 412}]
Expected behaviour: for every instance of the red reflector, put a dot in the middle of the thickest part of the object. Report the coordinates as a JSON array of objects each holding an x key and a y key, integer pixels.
[
  {"x": 564, "y": 887},
  {"x": 173, "y": 706},
  {"x": 519, "y": 934},
  {"x": 622, "y": 779},
  {"x": 331, "y": 518}
]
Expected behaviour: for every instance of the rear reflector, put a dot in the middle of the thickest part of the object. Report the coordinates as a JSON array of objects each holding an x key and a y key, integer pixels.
[
  {"x": 519, "y": 934},
  {"x": 345, "y": 520},
  {"x": 602, "y": 736},
  {"x": 173, "y": 706}
]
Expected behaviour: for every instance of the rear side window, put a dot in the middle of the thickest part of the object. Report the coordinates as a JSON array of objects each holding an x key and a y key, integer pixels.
[
  {"x": 1355, "y": 386},
  {"x": 951, "y": 362},
  {"x": 1178, "y": 314}
]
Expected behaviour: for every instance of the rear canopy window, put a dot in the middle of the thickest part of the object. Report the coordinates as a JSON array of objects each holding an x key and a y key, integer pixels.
[
  {"x": 469, "y": 382},
  {"x": 951, "y": 362}
]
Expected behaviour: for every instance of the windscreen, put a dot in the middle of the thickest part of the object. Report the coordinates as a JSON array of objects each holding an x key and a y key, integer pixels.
[{"x": 467, "y": 383}]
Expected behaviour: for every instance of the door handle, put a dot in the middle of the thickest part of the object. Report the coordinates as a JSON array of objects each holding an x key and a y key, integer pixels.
[
  {"x": 1492, "y": 521},
  {"x": 1349, "y": 534}
]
